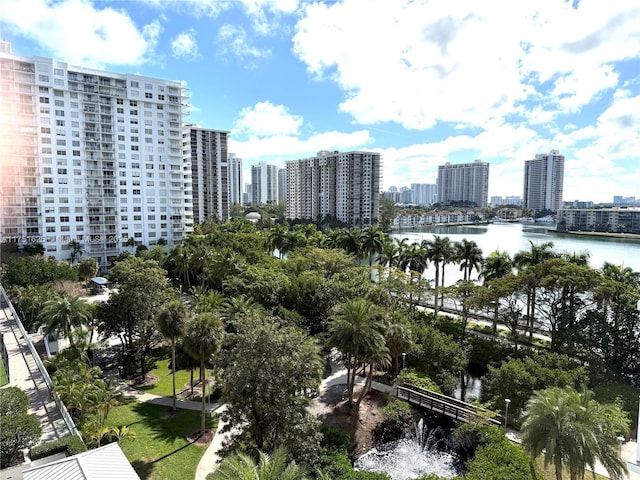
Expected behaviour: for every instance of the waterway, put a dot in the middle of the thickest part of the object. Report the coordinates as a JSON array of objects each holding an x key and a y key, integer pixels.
[{"x": 515, "y": 237}]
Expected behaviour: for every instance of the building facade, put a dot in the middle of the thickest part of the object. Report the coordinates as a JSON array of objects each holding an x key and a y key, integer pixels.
[
  {"x": 424, "y": 193},
  {"x": 282, "y": 185},
  {"x": 264, "y": 183},
  {"x": 343, "y": 186},
  {"x": 464, "y": 184},
  {"x": 543, "y": 182},
  {"x": 208, "y": 154},
  {"x": 608, "y": 219},
  {"x": 235, "y": 180},
  {"x": 90, "y": 156}
]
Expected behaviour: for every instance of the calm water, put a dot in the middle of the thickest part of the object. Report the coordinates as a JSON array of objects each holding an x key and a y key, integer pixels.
[{"x": 514, "y": 237}]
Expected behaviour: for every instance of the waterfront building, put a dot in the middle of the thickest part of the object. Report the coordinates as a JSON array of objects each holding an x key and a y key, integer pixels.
[
  {"x": 620, "y": 200},
  {"x": 282, "y": 185},
  {"x": 508, "y": 200},
  {"x": 207, "y": 152},
  {"x": 235, "y": 180},
  {"x": 344, "y": 186},
  {"x": 543, "y": 182},
  {"x": 424, "y": 193},
  {"x": 90, "y": 156},
  {"x": 464, "y": 184},
  {"x": 264, "y": 183},
  {"x": 608, "y": 219}
]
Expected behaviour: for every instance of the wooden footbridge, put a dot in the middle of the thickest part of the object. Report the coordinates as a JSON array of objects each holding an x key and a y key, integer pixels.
[{"x": 451, "y": 407}]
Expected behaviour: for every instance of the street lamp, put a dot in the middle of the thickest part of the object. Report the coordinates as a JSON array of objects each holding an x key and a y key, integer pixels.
[
  {"x": 620, "y": 442},
  {"x": 507, "y": 401},
  {"x": 404, "y": 359}
]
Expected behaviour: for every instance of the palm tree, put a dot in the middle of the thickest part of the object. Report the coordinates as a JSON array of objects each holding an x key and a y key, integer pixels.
[
  {"x": 275, "y": 239},
  {"x": 76, "y": 251},
  {"x": 497, "y": 265},
  {"x": 170, "y": 322},
  {"x": 399, "y": 339},
  {"x": 440, "y": 252},
  {"x": 351, "y": 241},
  {"x": 181, "y": 259},
  {"x": 63, "y": 313},
  {"x": 526, "y": 261},
  {"x": 201, "y": 339},
  {"x": 356, "y": 332},
  {"x": 573, "y": 431},
  {"x": 269, "y": 467},
  {"x": 470, "y": 256},
  {"x": 372, "y": 242}
]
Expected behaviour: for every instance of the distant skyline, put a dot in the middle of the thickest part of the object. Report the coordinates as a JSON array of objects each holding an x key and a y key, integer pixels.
[{"x": 420, "y": 82}]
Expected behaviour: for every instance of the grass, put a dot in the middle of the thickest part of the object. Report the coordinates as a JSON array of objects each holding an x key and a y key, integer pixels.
[
  {"x": 164, "y": 385},
  {"x": 160, "y": 449},
  {"x": 549, "y": 473},
  {"x": 3, "y": 375}
]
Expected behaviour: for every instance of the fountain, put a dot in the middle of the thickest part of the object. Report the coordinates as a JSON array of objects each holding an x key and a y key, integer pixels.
[{"x": 410, "y": 457}]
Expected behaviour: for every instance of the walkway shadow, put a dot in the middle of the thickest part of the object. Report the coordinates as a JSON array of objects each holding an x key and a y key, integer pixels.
[{"x": 166, "y": 425}]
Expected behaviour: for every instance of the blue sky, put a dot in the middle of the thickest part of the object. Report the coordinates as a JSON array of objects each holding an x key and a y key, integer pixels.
[{"x": 421, "y": 82}]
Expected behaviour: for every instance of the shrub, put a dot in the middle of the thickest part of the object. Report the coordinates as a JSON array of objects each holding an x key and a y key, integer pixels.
[
  {"x": 412, "y": 377},
  {"x": 71, "y": 445},
  {"x": 17, "y": 432},
  {"x": 334, "y": 438},
  {"x": 398, "y": 411},
  {"x": 13, "y": 401}
]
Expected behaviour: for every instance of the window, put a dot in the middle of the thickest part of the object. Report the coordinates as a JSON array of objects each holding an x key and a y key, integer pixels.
[
  {"x": 134, "y": 148},
  {"x": 133, "y": 103},
  {"x": 59, "y": 103},
  {"x": 120, "y": 101},
  {"x": 148, "y": 86},
  {"x": 148, "y": 95},
  {"x": 44, "y": 100},
  {"x": 43, "y": 89},
  {"x": 60, "y": 123},
  {"x": 58, "y": 93},
  {"x": 134, "y": 84},
  {"x": 160, "y": 97},
  {"x": 60, "y": 113},
  {"x": 133, "y": 112},
  {"x": 43, "y": 78},
  {"x": 58, "y": 71}
]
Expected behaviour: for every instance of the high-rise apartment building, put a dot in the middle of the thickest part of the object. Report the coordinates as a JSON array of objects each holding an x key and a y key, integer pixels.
[
  {"x": 235, "y": 180},
  {"x": 464, "y": 184},
  {"x": 264, "y": 183},
  {"x": 90, "y": 156},
  {"x": 543, "y": 182},
  {"x": 207, "y": 151},
  {"x": 344, "y": 186},
  {"x": 424, "y": 193},
  {"x": 282, "y": 185}
]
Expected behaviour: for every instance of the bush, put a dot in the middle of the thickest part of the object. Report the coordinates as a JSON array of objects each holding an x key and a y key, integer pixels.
[
  {"x": 398, "y": 411},
  {"x": 412, "y": 377},
  {"x": 71, "y": 445},
  {"x": 334, "y": 438},
  {"x": 13, "y": 401},
  {"x": 627, "y": 394},
  {"x": 17, "y": 432}
]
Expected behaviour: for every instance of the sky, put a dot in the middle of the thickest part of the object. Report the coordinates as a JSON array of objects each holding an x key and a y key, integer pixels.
[{"x": 423, "y": 82}]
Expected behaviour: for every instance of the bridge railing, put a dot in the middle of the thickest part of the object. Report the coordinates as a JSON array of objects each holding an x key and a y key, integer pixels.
[{"x": 451, "y": 407}]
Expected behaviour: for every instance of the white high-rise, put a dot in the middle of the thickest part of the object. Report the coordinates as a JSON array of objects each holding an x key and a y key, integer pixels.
[
  {"x": 343, "y": 186},
  {"x": 264, "y": 183},
  {"x": 92, "y": 156},
  {"x": 207, "y": 150},
  {"x": 235, "y": 180},
  {"x": 464, "y": 184},
  {"x": 544, "y": 181}
]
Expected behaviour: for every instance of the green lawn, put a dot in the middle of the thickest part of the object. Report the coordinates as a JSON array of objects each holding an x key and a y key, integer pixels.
[
  {"x": 160, "y": 450},
  {"x": 164, "y": 384},
  {"x": 549, "y": 473},
  {"x": 3, "y": 375}
]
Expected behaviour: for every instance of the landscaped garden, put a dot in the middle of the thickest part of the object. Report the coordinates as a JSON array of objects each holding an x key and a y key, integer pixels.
[{"x": 164, "y": 445}]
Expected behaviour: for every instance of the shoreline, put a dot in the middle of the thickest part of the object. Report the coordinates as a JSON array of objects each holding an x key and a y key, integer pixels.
[{"x": 623, "y": 236}]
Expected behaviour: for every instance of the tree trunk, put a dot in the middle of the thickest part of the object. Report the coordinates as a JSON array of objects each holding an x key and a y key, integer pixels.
[
  {"x": 203, "y": 418},
  {"x": 173, "y": 370},
  {"x": 558, "y": 464}
]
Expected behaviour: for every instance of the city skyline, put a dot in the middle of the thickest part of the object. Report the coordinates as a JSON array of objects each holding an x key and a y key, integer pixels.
[{"x": 499, "y": 83}]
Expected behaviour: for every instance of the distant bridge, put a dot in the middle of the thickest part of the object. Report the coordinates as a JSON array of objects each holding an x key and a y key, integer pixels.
[{"x": 451, "y": 407}]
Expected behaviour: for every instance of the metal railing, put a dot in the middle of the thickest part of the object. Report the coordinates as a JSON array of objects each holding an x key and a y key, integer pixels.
[
  {"x": 5, "y": 357},
  {"x": 71, "y": 426}
]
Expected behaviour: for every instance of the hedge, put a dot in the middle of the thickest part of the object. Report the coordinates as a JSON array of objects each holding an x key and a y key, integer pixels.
[
  {"x": 13, "y": 401},
  {"x": 16, "y": 433},
  {"x": 71, "y": 445}
]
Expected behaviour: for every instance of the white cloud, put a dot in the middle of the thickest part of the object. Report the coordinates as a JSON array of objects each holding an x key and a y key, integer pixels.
[
  {"x": 265, "y": 119},
  {"x": 479, "y": 61},
  {"x": 79, "y": 33},
  {"x": 185, "y": 45},
  {"x": 234, "y": 39}
]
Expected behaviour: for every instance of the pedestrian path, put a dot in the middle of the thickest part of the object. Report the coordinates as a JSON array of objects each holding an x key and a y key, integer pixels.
[{"x": 25, "y": 374}]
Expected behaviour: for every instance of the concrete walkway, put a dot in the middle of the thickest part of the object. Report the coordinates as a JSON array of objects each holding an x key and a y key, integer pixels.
[{"x": 25, "y": 374}]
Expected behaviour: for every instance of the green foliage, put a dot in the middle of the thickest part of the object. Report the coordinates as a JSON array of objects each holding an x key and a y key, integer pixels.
[
  {"x": 364, "y": 475},
  {"x": 498, "y": 461},
  {"x": 438, "y": 356},
  {"x": 398, "y": 411},
  {"x": 13, "y": 401},
  {"x": 269, "y": 368},
  {"x": 25, "y": 271},
  {"x": 268, "y": 467},
  {"x": 28, "y": 301},
  {"x": 334, "y": 438},
  {"x": 626, "y": 394},
  {"x": 518, "y": 378},
  {"x": 417, "y": 379},
  {"x": 484, "y": 352},
  {"x": 71, "y": 445},
  {"x": 17, "y": 432},
  {"x": 87, "y": 268}
]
